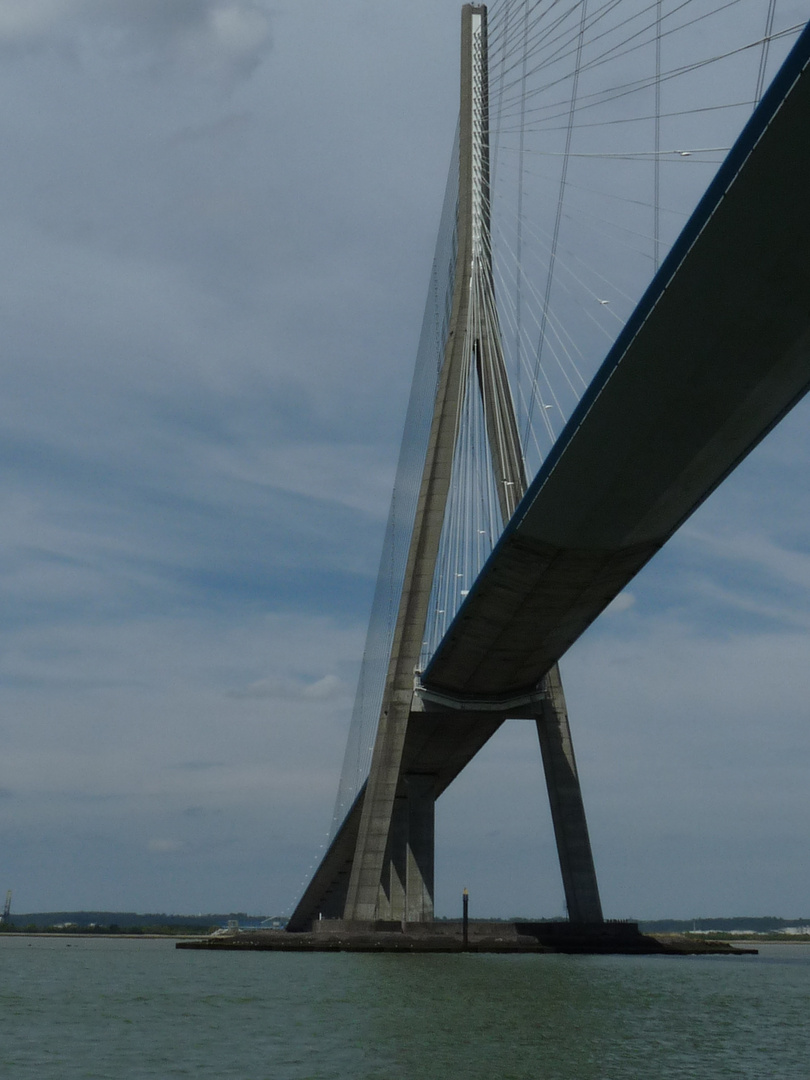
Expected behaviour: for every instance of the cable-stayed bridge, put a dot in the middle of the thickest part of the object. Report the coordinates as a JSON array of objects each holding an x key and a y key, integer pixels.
[{"x": 487, "y": 578}]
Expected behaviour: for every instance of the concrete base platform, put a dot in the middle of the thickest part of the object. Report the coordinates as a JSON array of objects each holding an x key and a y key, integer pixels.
[{"x": 483, "y": 937}]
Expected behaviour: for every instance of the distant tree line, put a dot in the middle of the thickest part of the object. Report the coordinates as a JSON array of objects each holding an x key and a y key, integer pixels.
[
  {"x": 121, "y": 922},
  {"x": 763, "y": 924},
  {"x": 95, "y": 928}
]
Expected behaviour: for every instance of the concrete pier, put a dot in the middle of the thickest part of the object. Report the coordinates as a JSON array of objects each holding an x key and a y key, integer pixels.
[{"x": 445, "y": 936}]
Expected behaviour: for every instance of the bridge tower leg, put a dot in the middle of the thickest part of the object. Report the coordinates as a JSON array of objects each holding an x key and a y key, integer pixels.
[
  {"x": 406, "y": 884},
  {"x": 567, "y": 808},
  {"x": 391, "y": 874},
  {"x": 386, "y": 781}
]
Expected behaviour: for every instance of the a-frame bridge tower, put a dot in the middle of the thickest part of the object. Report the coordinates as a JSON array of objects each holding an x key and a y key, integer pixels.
[
  {"x": 380, "y": 865},
  {"x": 716, "y": 352}
]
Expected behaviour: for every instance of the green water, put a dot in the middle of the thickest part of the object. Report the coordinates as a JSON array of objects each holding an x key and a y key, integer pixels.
[{"x": 131, "y": 1009}]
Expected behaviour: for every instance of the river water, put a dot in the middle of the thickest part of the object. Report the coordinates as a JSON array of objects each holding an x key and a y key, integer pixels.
[{"x": 125, "y": 1010}]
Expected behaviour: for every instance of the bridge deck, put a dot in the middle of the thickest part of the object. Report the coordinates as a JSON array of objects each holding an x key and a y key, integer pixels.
[{"x": 716, "y": 353}]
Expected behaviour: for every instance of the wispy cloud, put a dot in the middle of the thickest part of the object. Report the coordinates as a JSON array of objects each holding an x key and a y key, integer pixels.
[
  {"x": 222, "y": 38},
  {"x": 623, "y": 602},
  {"x": 165, "y": 846}
]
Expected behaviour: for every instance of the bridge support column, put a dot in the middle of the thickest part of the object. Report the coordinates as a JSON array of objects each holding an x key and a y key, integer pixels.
[
  {"x": 391, "y": 903},
  {"x": 421, "y": 822},
  {"x": 405, "y": 891},
  {"x": 367, "y": 898},
  {"x": 567, "y": 808}
]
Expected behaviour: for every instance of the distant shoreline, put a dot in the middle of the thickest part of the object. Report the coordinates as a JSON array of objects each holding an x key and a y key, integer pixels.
[{"x": 13, "y": 935}]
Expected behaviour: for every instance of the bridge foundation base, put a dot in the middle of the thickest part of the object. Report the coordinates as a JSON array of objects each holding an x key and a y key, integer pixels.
[{"x": 341, "y": 935}]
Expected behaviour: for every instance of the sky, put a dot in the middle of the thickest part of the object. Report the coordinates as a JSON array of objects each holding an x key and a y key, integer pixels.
[{"x": 219, "y": 217}]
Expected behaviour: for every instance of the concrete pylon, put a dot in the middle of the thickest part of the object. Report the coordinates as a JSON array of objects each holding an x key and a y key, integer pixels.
[
  {"x": 567, "y": 809},
  {"x": 373, "y": 854},
  {"x": 391, "y": 874}
]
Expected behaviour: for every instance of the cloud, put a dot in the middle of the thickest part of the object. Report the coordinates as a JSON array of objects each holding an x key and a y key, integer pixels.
[
  {"x": 26, "y": 20},
  {"x": 622, "y": 602},
  {"x": 197, "y": 766},
  {"x": 268, "y": 689},
  {"x": 329, "y": 687},
  {"x": 350, "y": 474},
  {"x": 165, "y": 846},
  {"x": 224, "y": 39},
  {"x": 763, "y": 553}
]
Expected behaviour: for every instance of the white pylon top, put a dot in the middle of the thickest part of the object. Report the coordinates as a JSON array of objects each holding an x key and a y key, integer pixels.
[{"x": 478, "y": 136}]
